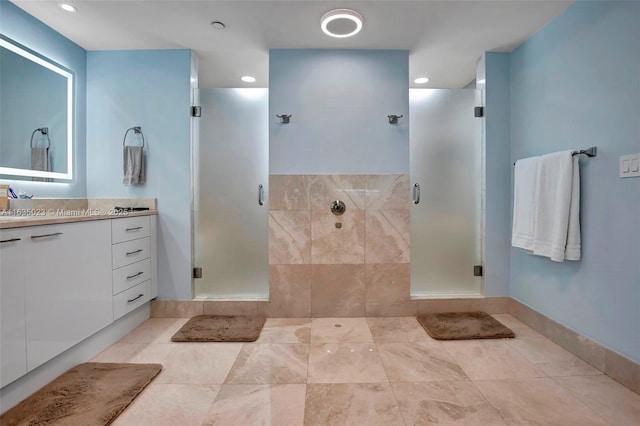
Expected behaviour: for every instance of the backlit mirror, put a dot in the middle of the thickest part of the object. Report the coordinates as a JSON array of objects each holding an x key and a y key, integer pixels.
[{"x": 36, "y": 115}]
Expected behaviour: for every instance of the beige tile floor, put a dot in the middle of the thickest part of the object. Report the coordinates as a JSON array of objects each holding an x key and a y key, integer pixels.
[{"x": 367, "y": 371}]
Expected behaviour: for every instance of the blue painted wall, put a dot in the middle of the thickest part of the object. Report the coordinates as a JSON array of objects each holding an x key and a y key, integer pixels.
[
  {"x": 340, "y": 100},
  {"x": 30, "y": 32},
  {"x": 575, "y": 84},
  {"x": 150, "y": 89}
]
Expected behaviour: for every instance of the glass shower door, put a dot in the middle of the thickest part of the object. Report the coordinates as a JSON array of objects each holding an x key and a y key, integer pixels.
[
  {"x": 231, "y": 162},
  {"x": 446, "y": 174}
]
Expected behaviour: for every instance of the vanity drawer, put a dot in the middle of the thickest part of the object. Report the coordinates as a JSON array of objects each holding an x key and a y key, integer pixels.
[
  {"x": 130, "y": 252},
  {"x": 128, "y": 300},
  {"x": 130, "y": 275},
  {"x": 129, "y": 229}
]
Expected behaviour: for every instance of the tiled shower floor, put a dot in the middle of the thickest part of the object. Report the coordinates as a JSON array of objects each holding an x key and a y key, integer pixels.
[{"x": 367, "y": 371}]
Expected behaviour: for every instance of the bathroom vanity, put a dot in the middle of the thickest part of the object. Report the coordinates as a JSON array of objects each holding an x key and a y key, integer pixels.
[{"x": 65, "y": 278}]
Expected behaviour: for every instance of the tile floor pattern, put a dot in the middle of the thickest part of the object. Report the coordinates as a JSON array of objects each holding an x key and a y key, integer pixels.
[{"x": 367, "y": 371}]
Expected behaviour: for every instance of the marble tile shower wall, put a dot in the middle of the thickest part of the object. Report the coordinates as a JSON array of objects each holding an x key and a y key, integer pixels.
[{"x": 320, "y": 270}]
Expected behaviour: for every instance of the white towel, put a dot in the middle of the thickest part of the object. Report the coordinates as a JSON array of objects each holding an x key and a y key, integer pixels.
[
  {"x": 554, "y": 193},
  {"x": 546, "y": 218},
  {"x": 526, "y": 176},
  {"x": 133, "y": 163},
  {"x": 574, "y": 242}
]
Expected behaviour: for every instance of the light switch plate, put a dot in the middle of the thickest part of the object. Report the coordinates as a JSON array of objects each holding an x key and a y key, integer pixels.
[{"x": 630, "y": 165}]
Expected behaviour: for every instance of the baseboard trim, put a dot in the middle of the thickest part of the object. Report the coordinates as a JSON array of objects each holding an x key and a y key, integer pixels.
[{"x": 611, "y": 363}]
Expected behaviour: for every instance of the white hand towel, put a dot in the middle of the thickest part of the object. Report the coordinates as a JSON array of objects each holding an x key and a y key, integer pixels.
[
  {"x": 134, "y": 173},
  {"x": 525, "y": 178},
  {"x": 556, "y": 200}
]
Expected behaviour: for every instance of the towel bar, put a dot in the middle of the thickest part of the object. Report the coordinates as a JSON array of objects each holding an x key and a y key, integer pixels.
[
  {"x": 589, "y": 152},
  {"x": 137, "y": 130},
  {"x": 45, "y": 132}
]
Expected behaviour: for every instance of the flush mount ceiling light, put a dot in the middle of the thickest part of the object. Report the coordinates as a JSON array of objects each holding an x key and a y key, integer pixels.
[
  {"x": 248, "y": 79},
  {"x": 421, "y": 80},
  {"x": 341, "y": 23},
  {"x": 68, "y": 7}
]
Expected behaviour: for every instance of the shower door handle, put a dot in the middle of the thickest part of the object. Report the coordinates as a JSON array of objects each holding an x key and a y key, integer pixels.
[
  {"x": 260, "y": 195},
  {"x": 416, "y": 193}
]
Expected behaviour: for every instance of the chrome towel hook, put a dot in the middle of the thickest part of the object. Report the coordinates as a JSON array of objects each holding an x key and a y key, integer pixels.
[
  {"x": 393, "y": 119},
  {"x": 136, "y": 130},
  {"x": 44, "y": 131},
  {"x": 284, "y": 118}
]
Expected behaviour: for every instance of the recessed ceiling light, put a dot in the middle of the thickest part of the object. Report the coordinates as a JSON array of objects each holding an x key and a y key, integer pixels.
[
  {"x": 68, "y": 7},
  {"x": 341, "y": 23},
  {"x": 421, "y": 80},
  {"x": 218, "y": 25},
  {"x": 248, "y": 79}
]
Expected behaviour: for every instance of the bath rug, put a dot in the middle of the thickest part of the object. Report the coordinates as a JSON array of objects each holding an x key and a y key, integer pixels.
[
  {"x": 89, "y": 394},
  {"x": 463, "y": 326},
  {"x": 220, "y": 328}
]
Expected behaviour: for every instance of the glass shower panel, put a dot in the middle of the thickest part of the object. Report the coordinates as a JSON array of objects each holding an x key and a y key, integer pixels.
[
  {"x": 231, "y": 160},
  {"x": 446, "y": 163}
]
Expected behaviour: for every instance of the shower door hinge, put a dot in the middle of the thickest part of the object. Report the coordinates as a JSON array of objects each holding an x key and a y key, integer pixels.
[
  {"x": 196, "y": 111},
  {"x": 197, "y": 272},
  {"x": 478, "y": 111},
  {"x": 477, "y": 271}
]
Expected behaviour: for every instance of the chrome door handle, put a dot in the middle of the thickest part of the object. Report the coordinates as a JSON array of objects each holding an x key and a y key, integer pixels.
[
  {"x": 260, "y": 195},
  {"x": 416, "y": 193},
  {"x": 129, "y": 253},
  {"x": 46, "y": 235}
]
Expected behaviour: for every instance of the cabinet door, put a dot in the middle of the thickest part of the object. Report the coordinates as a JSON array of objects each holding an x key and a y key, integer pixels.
[
  {"x": 13, "y": 358},
  {"x": 68, "y": 286}
]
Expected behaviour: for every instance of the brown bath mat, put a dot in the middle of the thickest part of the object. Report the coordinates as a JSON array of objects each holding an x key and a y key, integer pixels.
[
  {"x": 218, "y": 328},
  {"x": 89, "y": 394},
  {"x": 464, "y": 325}
]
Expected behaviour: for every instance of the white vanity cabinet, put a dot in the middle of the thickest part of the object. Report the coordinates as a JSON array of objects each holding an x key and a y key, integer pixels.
[
  {"x": 61, "y": 283},
  {"x": 68, "y": 286},
  {"x": 13, "y": 355}
]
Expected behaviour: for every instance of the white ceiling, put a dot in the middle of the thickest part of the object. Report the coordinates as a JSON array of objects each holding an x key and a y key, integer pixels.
[{"x": 444, "y": 37}]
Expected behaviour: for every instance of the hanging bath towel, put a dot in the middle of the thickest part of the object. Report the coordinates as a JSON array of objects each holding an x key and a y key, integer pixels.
[
  {"x": 40, "y": 162},
  {"x": 546, "y": 208},
  {"x": 557, "y": 207},
  {"x": 524, "y": 199},
  {"x": 133, "y": 165}
]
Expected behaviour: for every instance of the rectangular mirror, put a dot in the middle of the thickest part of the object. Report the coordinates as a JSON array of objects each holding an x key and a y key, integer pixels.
[{"x": 36, "y": 115}]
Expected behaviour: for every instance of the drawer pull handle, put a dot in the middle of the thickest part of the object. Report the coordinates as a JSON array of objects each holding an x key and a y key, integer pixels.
[
  {"x": 135, "y": 298},
  {"x": 46, "y": 235},
  {"x": 129, "y": 253},
  {"x": 10, "y": 240},
  {"x": 134, "y": 229},
  {"x": 135, "y": 275}
]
